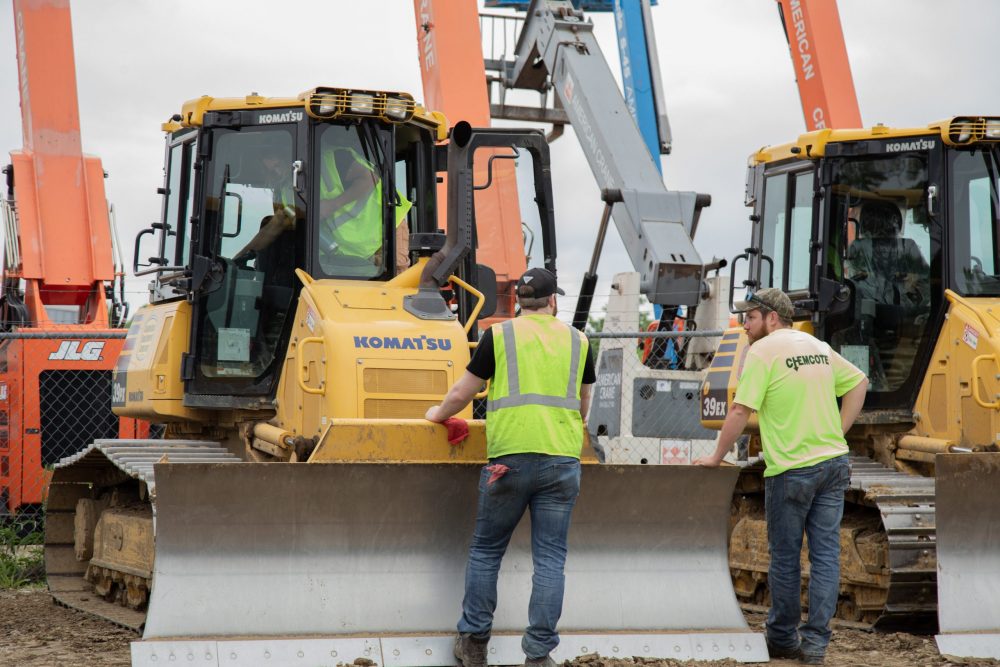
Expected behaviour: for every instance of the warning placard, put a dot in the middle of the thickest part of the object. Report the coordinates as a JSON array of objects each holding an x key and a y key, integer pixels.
[{"x": 675, "y": 452}]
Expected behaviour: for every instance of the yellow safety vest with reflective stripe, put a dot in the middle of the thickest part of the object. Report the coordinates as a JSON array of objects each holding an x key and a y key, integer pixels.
[
  {"x": 533, "y": 405},
  {"x": 356, "y": 227}
]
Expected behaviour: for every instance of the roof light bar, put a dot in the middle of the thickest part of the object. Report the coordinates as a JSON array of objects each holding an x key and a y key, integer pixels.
[{"x": 330, "y": 103}]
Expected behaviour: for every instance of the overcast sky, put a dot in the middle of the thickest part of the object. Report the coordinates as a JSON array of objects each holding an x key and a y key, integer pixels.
[{"x": 727, "y": 77}]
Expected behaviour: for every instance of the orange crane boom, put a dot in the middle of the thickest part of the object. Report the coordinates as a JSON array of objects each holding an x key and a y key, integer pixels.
[
  {"x": 64, "y": 232},
  {"x": 454, "y": 79},
  {"x": 822, "y": 70}
]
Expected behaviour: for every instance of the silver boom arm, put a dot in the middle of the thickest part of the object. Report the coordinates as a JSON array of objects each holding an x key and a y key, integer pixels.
[{"x": 557, "y": 45}]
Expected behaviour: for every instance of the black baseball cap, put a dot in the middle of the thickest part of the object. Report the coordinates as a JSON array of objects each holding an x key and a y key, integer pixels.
[{"x": 538, "y": 284}]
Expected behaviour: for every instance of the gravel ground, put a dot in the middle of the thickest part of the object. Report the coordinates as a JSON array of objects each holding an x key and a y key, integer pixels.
[{"x": 34, "y": 632}]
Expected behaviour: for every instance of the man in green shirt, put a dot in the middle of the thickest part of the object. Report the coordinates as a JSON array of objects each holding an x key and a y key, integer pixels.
[{"x": 793, "y": 381}]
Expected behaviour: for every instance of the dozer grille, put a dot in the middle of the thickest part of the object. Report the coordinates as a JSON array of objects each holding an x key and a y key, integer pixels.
[
  {"x": 405, "y": 381},
  {"x": 75, "y": 411},
  {"x": 382, "y": 408}
]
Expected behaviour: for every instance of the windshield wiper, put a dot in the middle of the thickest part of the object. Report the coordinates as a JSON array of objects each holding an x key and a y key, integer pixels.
[
  {"x": 222, "y": 200},
  {"x": 370, "y": 140}
]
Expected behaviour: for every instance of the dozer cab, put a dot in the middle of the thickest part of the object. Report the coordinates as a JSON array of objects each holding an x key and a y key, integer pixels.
[
  {"x": 887, "y": 242},
  {"x": 299, "y": 508}
]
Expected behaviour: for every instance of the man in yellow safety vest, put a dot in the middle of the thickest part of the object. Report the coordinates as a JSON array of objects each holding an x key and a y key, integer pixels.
[{"x": 541, "y": 374}]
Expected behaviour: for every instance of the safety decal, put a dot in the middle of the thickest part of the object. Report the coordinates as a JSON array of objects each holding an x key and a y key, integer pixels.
[{"x": 971, "y": 337}]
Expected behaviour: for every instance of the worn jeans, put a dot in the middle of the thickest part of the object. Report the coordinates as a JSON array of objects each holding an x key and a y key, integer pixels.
[
  {"x": 809, "y": 500},
  {"x": 547, "y": 486}
]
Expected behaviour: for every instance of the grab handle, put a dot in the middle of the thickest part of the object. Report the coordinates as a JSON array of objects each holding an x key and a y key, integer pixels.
[
  {"x": 300, "y": 375},
  {"x": 975, "y": 382}
]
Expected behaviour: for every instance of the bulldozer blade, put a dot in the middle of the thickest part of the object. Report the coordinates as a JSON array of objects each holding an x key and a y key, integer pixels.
[
  {"x": 968, "y": 554},
  {"x": 366, "y": 560}
]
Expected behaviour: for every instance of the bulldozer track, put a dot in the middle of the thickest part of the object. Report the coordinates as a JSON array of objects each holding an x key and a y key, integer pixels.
[
  {"x": 906, "y": 505},
  {"x": 888, "y": 550},
  {"x": 97, "y": 468}
]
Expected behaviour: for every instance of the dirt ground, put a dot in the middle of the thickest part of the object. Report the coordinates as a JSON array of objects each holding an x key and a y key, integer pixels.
[{"x": 34, "y": 632}]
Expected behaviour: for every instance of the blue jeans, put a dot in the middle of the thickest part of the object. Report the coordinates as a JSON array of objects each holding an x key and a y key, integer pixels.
[
  {"x": 809, "y": 500},
  {"x": 547, "y": 486}
]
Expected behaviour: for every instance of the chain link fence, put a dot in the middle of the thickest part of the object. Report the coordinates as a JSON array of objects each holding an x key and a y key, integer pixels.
[
  {"x": 55, "y": 398},
  {"x": 646, "y": 403}
]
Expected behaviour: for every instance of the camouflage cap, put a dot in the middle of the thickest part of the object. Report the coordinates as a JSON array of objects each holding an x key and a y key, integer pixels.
[{"x": 770, "y": 298}]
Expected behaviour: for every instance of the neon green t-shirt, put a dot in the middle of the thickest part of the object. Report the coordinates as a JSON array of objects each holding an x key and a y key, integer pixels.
[{"x": 793, "y": 380}]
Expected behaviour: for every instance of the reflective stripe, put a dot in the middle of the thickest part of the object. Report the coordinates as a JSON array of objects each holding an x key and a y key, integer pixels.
[
  {"x": 532, "y": 399},
  {"x": 574, "y": 366},
  {"x": 515, "y": 398},
  {"x": 510, "y": 352},
  {"x": 355, "y": 210}
]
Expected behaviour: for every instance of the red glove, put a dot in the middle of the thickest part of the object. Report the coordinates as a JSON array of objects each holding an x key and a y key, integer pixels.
[{"x": 458, "y": 429}]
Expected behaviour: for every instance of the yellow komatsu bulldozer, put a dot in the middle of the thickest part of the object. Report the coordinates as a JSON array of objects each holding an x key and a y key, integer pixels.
[
  {"x": 298, "y": 508},
  {"x": 888, "y": 242}
]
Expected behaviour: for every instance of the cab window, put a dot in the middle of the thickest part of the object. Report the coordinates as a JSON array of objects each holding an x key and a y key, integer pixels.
[{"x": 786, "y": 230}]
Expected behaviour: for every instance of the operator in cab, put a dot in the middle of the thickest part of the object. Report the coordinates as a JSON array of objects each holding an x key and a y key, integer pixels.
[{"x": 351, "y": 206}]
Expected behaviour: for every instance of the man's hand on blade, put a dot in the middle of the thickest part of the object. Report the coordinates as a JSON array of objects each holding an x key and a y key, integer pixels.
[{"x": 708, "y": 461}]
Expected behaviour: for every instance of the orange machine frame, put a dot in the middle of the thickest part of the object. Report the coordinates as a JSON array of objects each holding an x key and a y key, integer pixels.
[{"x": 64, "y": 257}]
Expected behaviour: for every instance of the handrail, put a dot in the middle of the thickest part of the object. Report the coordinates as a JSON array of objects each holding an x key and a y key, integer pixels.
[
  {"x": 975, "y": 382},
  {"x": 321, "y": 391},
  {"x": 955, "y": 298},
  {"x": 479, "y": 304}
]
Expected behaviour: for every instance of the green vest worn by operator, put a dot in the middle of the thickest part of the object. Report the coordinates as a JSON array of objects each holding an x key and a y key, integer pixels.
[
  {"x": 355, "y": 228},
  {"x": 533, "y": 405}
]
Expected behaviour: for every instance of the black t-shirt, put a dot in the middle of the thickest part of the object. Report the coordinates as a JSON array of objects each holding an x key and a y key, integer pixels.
[{"x": 483, "y": 363}]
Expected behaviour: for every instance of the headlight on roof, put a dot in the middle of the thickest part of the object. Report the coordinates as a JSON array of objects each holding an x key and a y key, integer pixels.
[
  {"x": 967, "y": 130},
  {"x": 961, "y": 130},
  {"x": 324, "y": 103},
  {"x": 362, "y": 104},
  {"x": 399, "y": 108},
  {"x": 329, "y": 103}
]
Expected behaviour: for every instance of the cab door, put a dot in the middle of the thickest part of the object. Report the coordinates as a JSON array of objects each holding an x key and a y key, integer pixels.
[
  {"x": 879, "y": 283},
  {"x": 785, "y": 231},
  {"x": 243, "y": 261}
]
